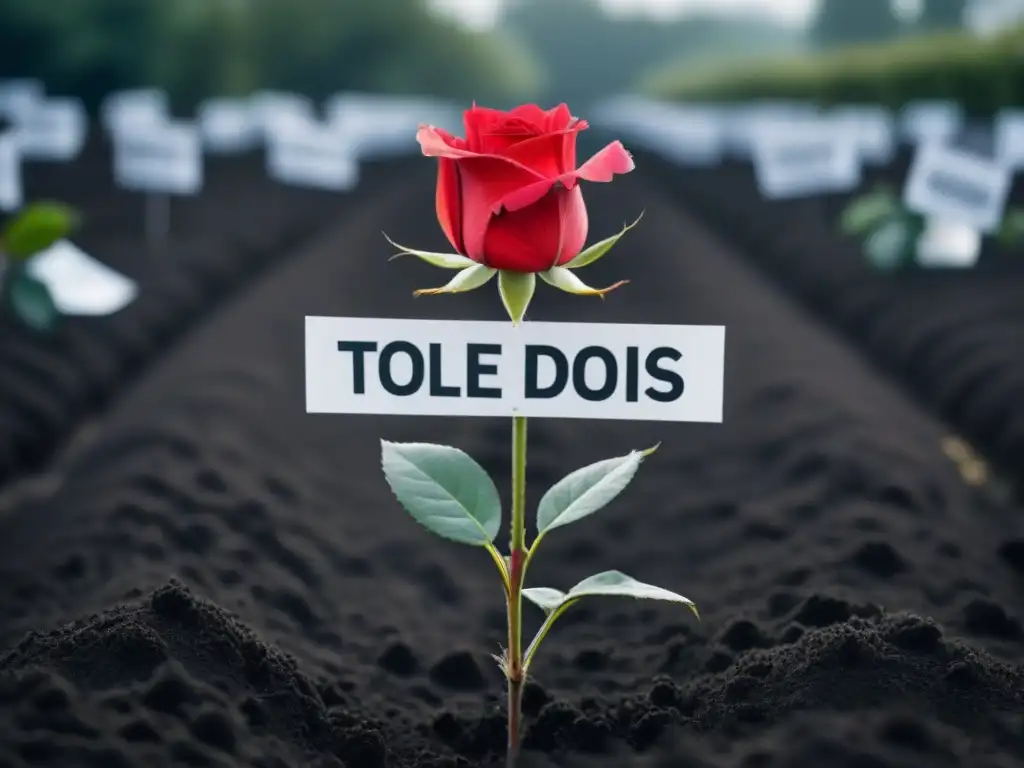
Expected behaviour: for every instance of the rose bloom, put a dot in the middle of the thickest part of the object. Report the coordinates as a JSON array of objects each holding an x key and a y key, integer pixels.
[{"x": 508, "y": 194}]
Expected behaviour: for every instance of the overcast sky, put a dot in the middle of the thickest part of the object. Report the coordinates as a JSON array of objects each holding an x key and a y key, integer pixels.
[{"x": 484, "y": 13}]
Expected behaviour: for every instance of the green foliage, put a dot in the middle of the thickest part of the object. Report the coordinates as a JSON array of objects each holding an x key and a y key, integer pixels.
[
  {"x": 201, "y": 48},
  {"x": 587, "y": 54},
  {"x": 840, "y": 22},
  {"x": 983, "y": 74},
  {"x": 444, "y": 490},
  {"x": 35, "y": 228},
  {"x": 31, "y": 300}
]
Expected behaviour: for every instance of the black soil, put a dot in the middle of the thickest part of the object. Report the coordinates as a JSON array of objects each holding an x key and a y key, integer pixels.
[
  {"x": 220, "y": 579},
  {"x": 241, "y": 223}
]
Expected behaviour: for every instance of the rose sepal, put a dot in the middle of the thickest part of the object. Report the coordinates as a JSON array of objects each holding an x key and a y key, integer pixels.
[
  {"x": 564, "y": 280},
  {"x": 435, "y": 259},
  {"x": 468, "y": 279},
  {"x": 597, "y": 250}
]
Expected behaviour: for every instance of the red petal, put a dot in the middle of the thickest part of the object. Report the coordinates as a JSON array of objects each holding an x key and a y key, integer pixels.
[
  {"x": 449, "y": 201},
  {"x": 527, "y": 240},
  {"x": 575, "y": 224}
]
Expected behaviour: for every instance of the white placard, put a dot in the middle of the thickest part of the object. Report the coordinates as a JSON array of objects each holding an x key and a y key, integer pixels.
[
  {"x": 162, "y": 158},
  {"x": 310, "y": 154},
  {"x": 128, "y": 111},
  {"x": 957, "y": 186},
  {"x": 948, "y": 244},
  {"x": 805, "y": 159},
  {"x": 227, "y": 125},
  {"x": 925, "y": 122},
  {"x": 691, "y": 135},
  {"x": 273, "y": 111},
  {"x": 382, "y": 126},
  {"x": 745, "y": 122},
  {"x": 541, "y": 370},
  {"x": 52, "y": 129},
  {"x": 78, "y": 283},
  {"x": 1009, "y": 137},
  {"x": 871, "y": 128},
  {"x": 18, "y": 96},
  {"x": 10, "y": 173}
]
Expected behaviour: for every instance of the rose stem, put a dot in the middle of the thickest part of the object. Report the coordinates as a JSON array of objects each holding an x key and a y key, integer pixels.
[{"x": 517, "y": 559}]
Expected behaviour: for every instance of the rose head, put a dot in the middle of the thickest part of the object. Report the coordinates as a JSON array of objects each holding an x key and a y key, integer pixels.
[{"x": 508, "y": 194}]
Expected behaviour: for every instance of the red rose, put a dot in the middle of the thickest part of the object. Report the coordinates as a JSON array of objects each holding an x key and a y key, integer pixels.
[{"x": 508, "y": 194}]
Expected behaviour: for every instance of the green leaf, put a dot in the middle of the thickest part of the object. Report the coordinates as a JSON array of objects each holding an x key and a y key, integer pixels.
[
  {"x": 444, "y": 489},
  {"x": 868, "y": 212},
  {"x": 442, "y": 260},
  {"x": 516, "y": 290},
  {"x": 597, "y": 250},
  {"x": 35, "y": 228},
  {"x": 545, "y": 598},
  {"x": 608, "y": 584},
  {"x": 891, "y": 245},
  {"x": 32, "y": 302},
  {"x": 468, "y": 279},
  {"x": 564, "y": 280},
  {"x": 618, "y": 584},
  {"x": 1011, "y": 233},
  {"x": 587, "y": 490}
]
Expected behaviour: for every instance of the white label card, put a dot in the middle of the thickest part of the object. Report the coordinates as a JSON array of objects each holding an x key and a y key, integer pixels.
[
  {"x": 162, "y": 158},
  {"x": 79, "y": 284},
  {"x": 10, "y": 172},
  {"x": 310, "y": 154},
  {"x": 546, "y": 370},
  {"x": 949, "y": 183},
  {"x": 53, "y": 129},
  {"x": 805, "y": 160}
]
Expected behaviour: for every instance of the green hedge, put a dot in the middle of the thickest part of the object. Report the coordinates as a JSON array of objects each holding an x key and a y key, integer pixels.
[{"x": 984, "y": 74}]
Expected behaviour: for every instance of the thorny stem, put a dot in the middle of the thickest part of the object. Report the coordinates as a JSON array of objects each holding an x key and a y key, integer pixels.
[{"x": 517, "y": 570}]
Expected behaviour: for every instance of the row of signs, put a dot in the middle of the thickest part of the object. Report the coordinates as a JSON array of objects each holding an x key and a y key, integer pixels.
[
  {"x": 959, "y": 179},
  {"x": 155, "y": 153}
]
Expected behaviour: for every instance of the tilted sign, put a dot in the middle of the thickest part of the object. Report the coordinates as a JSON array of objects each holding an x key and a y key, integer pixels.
[
  {"x": 548, "y": 370},
  {"x": 949, "y": 183},
  {"x": 78, "y": 283}
]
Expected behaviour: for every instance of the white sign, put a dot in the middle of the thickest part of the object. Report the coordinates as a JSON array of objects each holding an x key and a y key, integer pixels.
[
  {"x": 957, "y": 186},
  {"x": 381, "y": 126},
  {"x": 10, "y": 173},
  {"x": 1009, "y": 137},
  {"x": 18, "y": 96},
  {"x": 948, "y": 244},
  {"x": 273, "y": 111},
  {"x": 78, "y": 283},
  {"x": 53, "y": 129},
  {"x": 870, "y": 128},
  {"x": 313, "y": 155},
  {"x": 227, "y": 125},
  {"x": 691, "y": 135},
  {"x": 925, "y": 122},
  {"x": 127, "y": 111},
  {"x": 805, "y": 159},
  {"x": 163, "y": 158},
  {"x": 545, "y": 370},
  {"x": 745, "y": 122}
]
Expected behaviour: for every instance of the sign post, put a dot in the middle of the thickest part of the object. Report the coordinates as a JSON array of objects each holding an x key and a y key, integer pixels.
[{"x": 161, "y": 160}]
